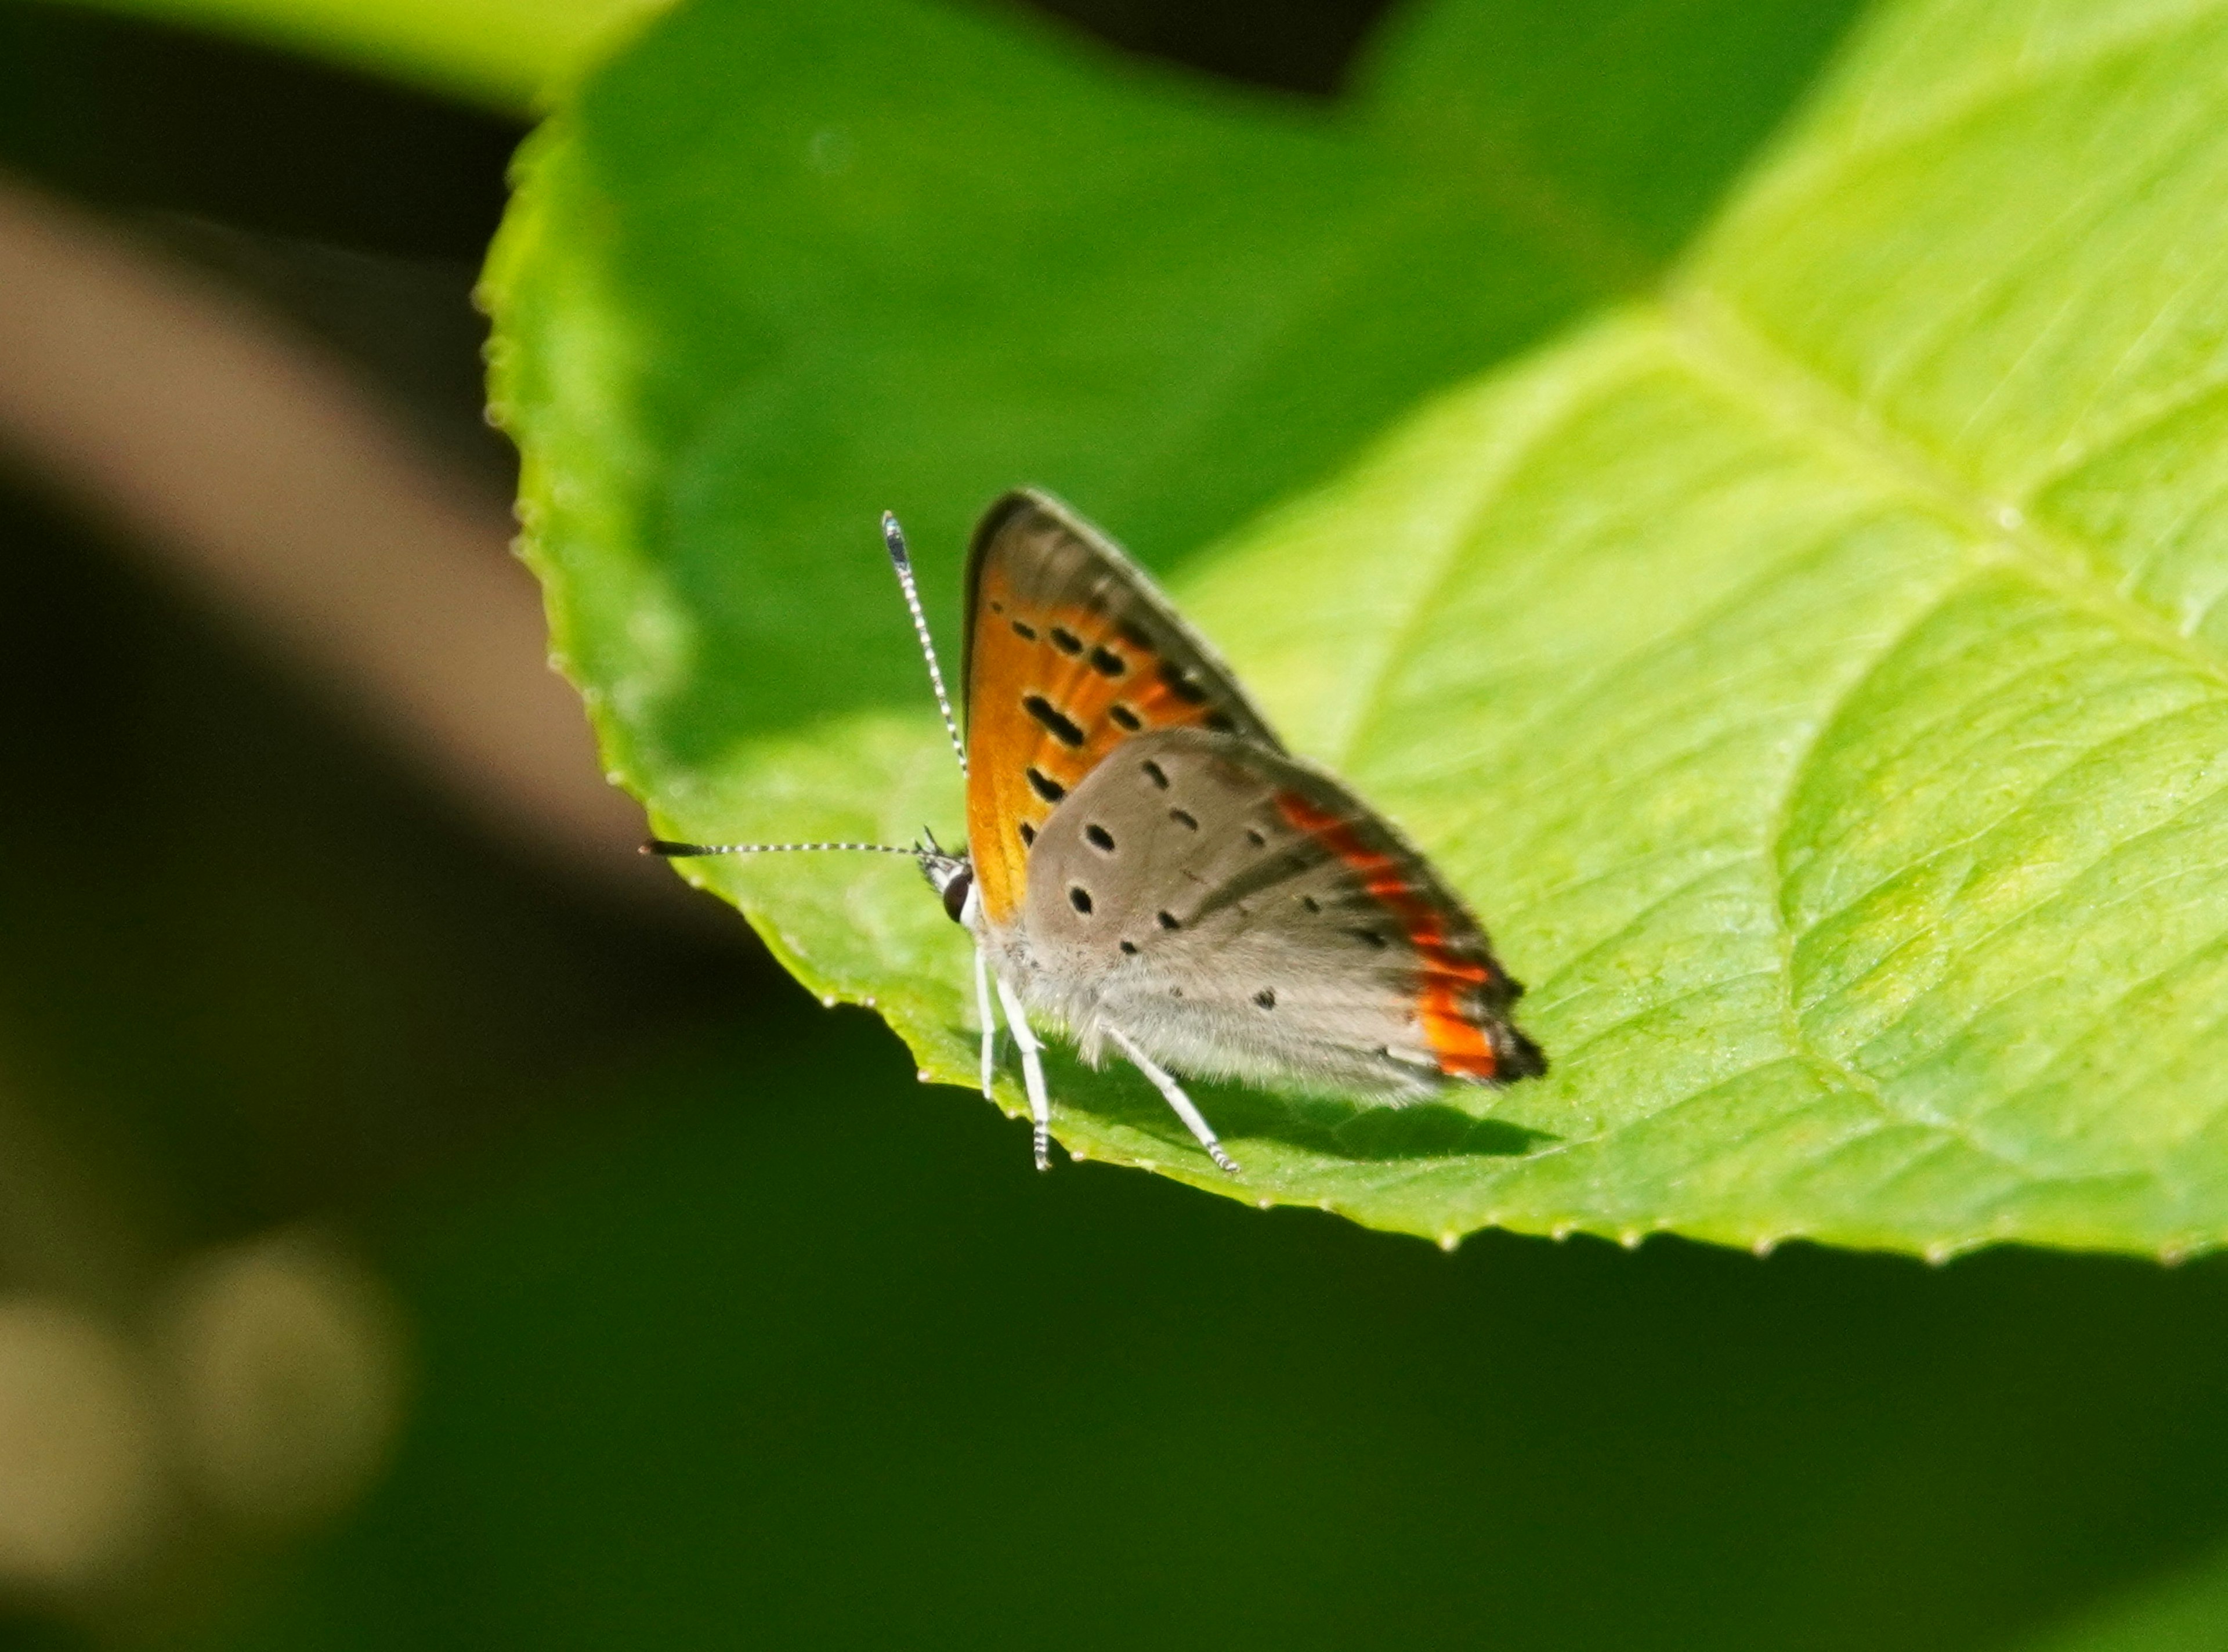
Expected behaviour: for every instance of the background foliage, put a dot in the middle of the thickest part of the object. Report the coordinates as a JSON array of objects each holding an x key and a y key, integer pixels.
[{"x": 728, "y": 1333}]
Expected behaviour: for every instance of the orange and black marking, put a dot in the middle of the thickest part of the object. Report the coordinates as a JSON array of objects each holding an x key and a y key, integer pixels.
[
  {"x": 1067, "y": 658},
  {"x": 1458, "y": 983}
]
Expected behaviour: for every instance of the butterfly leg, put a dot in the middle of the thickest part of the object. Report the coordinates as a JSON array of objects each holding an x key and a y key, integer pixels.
[
  {"x": 989, "y": 1022},
  {"x": 1174, "y": 1093},
  {"x": 1032, "y": 1072}
]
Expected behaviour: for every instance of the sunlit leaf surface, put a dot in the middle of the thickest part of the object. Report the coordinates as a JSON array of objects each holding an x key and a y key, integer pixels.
[{"x": 1800, "y": 642}]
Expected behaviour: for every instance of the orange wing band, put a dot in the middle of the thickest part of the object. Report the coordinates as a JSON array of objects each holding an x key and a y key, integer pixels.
[{"x": 1449, "y": 982}]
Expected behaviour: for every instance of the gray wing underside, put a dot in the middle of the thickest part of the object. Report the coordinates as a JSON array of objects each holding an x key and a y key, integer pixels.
[{"x": 1173, "y": 896}]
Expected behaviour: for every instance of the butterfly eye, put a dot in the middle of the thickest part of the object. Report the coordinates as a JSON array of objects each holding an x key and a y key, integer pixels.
[{"x": 955, "y": 892}]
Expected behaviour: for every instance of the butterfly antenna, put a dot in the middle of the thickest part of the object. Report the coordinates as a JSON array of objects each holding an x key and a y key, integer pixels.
[
  {"x": 672, "y": 851},
  {"x": 893, "y": 536}
]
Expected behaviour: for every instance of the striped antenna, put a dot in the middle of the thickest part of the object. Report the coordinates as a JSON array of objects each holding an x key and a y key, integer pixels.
[
  {"x": 893, "y": 536},
  {"x": 672, "y": 851}
]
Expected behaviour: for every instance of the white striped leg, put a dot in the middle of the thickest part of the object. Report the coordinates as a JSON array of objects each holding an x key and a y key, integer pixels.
[
  {"x": 1174, "y": 1093},
  {"x": 989, "y": 1022},
  {"x": 1032, "y": 1072}
]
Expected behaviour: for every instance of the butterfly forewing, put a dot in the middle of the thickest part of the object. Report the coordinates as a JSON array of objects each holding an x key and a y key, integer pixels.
[
  {"x": 1236, "y": 912},
  {"x": 1070, "y": 651}
]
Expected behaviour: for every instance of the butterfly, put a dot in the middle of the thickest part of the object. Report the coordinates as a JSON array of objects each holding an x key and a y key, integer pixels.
[{"x": 1148, "y": 870}]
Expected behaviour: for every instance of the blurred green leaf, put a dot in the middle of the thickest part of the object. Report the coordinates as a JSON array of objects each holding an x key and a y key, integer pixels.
[
  {"x": 1804, "y": 658},
  {"x": 768, "y": 1346},
  {"x": 514, "y": 54},
  {"x": 2187, "y": 1613}
]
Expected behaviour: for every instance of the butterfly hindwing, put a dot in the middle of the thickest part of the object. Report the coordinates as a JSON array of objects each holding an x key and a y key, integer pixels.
[
  {"x": 1237, "y": 911},
  {"x": 1070, "y": 651}
]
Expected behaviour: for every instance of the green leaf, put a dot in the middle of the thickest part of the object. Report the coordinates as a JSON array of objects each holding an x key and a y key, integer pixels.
[
  {"x": 1804, "y": 656},
  {"x": 514, "y": 54}
]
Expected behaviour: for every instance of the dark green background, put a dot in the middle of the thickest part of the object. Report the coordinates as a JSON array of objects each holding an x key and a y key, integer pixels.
[{"x": 818, "y": 1360}]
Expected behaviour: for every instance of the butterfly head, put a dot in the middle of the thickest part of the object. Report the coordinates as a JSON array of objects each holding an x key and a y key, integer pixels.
[{"x": 953, "y": 876}]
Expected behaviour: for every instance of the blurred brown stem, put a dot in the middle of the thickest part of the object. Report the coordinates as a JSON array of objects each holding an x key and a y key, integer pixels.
[{"x": 259, "y": 469}]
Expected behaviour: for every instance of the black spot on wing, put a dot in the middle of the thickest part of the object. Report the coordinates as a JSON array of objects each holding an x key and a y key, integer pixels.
[
  {"x": 1125, "y": 718},
  {"x": 1027, "y": 633},
  {"x": 1080, "y": 898},
  {"x": 1065, "y": 640},
  {"x": 1155, "y": 773},
  {"x": 1172, "y": 678},
  {"x": 1055, "y": 722},
  {"x": 1099, "y": 837},
  {"x": 1045, "y": 786},
  {"x": 1107, "y": 663},
  {"x": 1184, "y": 818}
]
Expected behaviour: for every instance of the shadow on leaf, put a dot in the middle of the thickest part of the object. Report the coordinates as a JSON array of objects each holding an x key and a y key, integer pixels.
[{"x": 1332, "y": 1127}]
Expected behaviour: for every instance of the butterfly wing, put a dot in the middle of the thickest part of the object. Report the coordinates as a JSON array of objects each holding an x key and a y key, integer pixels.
[
  {"x": 1070, "y": 651},
  {"x": 1237, "y": 913}
]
